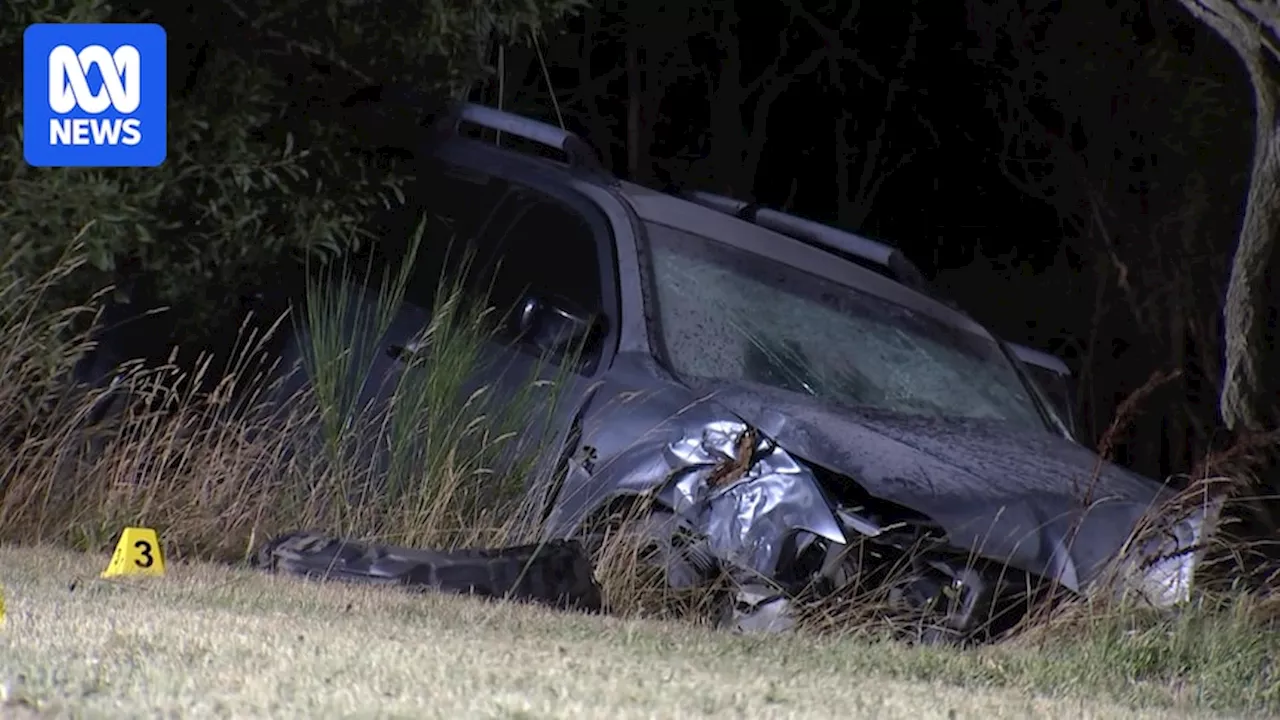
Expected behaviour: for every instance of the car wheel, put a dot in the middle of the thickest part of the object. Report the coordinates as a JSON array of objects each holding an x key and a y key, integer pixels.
[{"x": 941, "y": 610}]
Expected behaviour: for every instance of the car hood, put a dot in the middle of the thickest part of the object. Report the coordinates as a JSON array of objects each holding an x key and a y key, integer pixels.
[{"x": 1024, "y": 497}]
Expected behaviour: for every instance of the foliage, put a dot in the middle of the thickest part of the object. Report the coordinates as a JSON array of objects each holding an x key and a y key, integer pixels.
[
  {"x": 444, "y": 454},
  {"x": 1126, "y": 123},
  {"x": 283, "y": 123},
  {"x": 443, "y": 462}
]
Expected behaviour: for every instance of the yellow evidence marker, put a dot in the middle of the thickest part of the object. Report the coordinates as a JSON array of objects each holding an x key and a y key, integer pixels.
[
  {"x": 1, "y": 607},
  {"x": 137, "y": 553}
]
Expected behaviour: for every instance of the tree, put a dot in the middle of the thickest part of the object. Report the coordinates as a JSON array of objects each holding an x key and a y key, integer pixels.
[
  {"x": 1127, "y": 122},
  {"x": 288, "y": 127},
  {"x": 1252, "y": 29},
  {"x": 862, "y": 167}
]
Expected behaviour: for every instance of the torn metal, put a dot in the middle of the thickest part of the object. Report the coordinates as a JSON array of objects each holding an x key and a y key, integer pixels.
[
  {"x": 758, "y": 509},
  {"x": 745, "y": 494}
]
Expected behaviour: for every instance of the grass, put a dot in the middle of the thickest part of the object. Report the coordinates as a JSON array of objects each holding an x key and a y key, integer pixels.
[
  {"x": 215, "y": 641},
  {"x": 190, "y": 456},
  {"x": 195, "y": 454}
]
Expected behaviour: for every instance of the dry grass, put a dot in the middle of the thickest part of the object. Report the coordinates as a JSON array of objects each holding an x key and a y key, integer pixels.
[
  {"x": 184, "y": 457},
  {"x": 195, "y": 454},
  {"x": 213, "y": 641}
]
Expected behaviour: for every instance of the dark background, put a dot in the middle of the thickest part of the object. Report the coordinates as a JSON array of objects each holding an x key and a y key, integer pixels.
[
  {"x": 1075, "y": 180},
  {"x": 1074, "y": 175}
]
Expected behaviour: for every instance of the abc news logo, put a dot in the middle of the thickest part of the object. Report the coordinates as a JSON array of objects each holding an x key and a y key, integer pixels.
[
  {"x": 121, "y": 90},
  {"x": 94, "y": 94}
]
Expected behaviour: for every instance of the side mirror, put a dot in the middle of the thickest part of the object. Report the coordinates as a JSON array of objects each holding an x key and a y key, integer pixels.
[{"x": 554, "y": 324}]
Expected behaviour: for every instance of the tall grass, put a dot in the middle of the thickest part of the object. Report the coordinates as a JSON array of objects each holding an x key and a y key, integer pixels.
[
  {"x": 437, "y": 457},
  {"x": 220, "y": 458}
]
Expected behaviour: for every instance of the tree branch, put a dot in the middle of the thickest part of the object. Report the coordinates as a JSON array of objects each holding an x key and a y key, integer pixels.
[
  {"x": 764, "y": 103},
  {"x": 1245, "y": 38},
  {"x": 773, "y": 73},
  {"x": 773, "y": 90},
  {"x": 833, "y": 40},
  {"x": 871, "y": 178},
  {"x": 728, "y": 41}
]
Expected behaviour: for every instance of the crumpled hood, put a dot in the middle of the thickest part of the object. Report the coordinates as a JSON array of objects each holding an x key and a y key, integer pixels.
[{"x": 1009, "y": 494}]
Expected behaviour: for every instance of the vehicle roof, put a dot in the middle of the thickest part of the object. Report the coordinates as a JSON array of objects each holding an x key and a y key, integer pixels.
[{"x": 664, "y": 209}]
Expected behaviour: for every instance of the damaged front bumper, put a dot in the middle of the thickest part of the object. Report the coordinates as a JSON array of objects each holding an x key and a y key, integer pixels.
[
  {"x": 757, "y": 510},
  {"x": 746, "y": 495}
]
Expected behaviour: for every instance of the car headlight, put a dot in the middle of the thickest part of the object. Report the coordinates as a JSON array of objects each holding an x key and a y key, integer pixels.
[{"x": 1167, "y": 562}]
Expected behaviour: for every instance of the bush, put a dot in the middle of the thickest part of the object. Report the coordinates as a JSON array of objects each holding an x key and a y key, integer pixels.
[{"x": 290, "y": 123}]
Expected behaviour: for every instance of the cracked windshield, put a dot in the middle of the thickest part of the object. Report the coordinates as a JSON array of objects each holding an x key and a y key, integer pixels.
[{"x": 726, "y": 315}]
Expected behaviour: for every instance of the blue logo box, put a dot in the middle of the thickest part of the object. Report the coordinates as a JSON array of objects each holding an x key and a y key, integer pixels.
[{"x": 94, "y": 95}]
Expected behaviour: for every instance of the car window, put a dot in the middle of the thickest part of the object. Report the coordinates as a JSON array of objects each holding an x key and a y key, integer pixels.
[
  {"x": 459, "y": 207},
  {"x": 725, "y": 314},
  {"x": 513, "y": 239},
  {"x": 454, "y": 206},
  {"x": 548, "y": 250},
  {"x": 536, "y": 246}
]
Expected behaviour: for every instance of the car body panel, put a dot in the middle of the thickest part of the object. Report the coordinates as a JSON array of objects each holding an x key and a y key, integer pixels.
[{"x": 1023, "y": 496}]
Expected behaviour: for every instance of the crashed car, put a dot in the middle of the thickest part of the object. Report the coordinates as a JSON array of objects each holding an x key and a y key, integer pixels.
[
  {"x": 783, "y": 410},
  {"x": 1048, "y": 374}
]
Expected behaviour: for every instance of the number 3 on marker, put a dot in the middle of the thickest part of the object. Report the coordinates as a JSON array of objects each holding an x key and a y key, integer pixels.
[
  {"x": 137, "y": 553},
  {"x": 144, "y": 549}
]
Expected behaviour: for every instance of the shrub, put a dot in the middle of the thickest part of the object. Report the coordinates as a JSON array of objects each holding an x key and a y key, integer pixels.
[{"x": 289, "y": 124}]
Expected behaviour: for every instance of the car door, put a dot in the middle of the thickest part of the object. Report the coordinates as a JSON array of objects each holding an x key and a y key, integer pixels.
[{"x": 537, "y": 241}]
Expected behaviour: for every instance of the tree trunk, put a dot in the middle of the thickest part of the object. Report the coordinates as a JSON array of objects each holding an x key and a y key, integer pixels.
[{"x": 1247, "y": 402}]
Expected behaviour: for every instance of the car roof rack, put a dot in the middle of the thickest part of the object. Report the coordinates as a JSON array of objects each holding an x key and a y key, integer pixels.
[
  {"x": 885, "y": 259},
  {"x": 577, "y": 151}
]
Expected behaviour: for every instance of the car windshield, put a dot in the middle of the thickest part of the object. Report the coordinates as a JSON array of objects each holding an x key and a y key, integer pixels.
[{"x": 725, "y": 314}]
